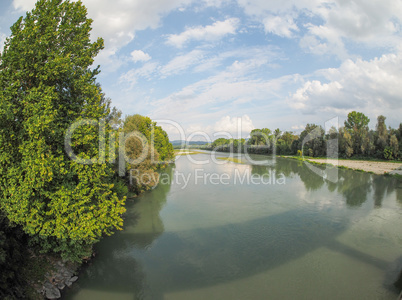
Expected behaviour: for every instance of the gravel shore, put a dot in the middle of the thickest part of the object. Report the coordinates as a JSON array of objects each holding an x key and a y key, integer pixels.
[{"x": 368, "y": 166}]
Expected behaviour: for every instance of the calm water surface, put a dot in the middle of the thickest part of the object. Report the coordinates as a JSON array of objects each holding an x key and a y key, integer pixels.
[{"x": 291, "y": 235}]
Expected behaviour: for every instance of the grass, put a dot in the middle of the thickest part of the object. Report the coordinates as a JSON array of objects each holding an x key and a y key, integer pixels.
[
  {"x": 396, "y": 176},
  {"x": 232, "y": 159},
  {"x": 180, "y": 152}
]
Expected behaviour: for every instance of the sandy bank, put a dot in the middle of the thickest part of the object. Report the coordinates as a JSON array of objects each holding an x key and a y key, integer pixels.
[{"x": 368, "y": 166}]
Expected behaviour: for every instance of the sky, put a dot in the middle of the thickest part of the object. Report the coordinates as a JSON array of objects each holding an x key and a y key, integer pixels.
[{"x": 207, "y": 66}]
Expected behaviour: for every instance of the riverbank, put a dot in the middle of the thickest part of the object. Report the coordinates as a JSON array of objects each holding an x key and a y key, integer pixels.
[{"x": 376, "y": 167}]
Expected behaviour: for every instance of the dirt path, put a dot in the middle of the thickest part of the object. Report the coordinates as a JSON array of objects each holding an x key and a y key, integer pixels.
[{"x": 368, "y": 166}]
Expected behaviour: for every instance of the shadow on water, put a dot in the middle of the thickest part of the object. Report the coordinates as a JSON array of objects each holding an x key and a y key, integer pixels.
[{"x": 206, "y": 257}]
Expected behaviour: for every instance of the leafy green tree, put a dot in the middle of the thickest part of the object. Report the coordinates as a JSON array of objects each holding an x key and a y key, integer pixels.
[
  {"x": 345, "y": 142},
  {"x": 356, "y": 121},
  {"x": 150, "y": 153},
  {"x": 368, "y": 145},
  {"x": 313, "y": 140},
  {"x": 357, "y": 126},
  {"x": 260, "y": 137},
  {"x": 46, "y": 83},
  {"x": 153, "y": 133},
  {"x": 220, "y": 142},
  {"x": 162, "y": 145},
  {"x": 284, "y": 142},
  {"x": 394, "y": 146},
  {"x": 382, "y": 134}
]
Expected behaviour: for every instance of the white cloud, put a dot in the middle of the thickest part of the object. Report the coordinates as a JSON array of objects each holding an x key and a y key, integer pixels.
[
  {"x": 24, "y": 5},
  {"x": 226, "y": 126},
  {"x": 146, "y": 71},
  {"x": 282, "y": 26},
  {"x": 209, "y": 33},
  {"x": 235, "y": 125},
  {"x": 298, "y": 127},
  {"x": 242, "y": 60},
  {"x": 226, "y": 93},
  {"x": 182, "y": 62},
  {"x": 368, "y": 86},
  {"x": 117, "y": 21},
  {"x": 375, "y": 23},
  {"x": 2, "y": 40},
  {"x": 139, "y": 55}
]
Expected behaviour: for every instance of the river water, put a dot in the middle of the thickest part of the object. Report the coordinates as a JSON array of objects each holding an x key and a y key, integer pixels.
[{"x": 266, "y": 229}]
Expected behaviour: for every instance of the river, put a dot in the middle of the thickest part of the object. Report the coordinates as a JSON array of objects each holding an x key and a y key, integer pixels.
[{"x": 267, "y": 229}]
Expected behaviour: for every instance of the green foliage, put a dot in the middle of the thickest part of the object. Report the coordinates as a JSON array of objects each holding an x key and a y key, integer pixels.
[
  {"x": 159, "y": 151},
  {"x": 388, "y": 153},
  {"x": 394, "y": 145},
  {"x": 312, "y": 140},
  {"x": 220, "y": 142},
  {"x": 45, "y": 84},
  {"x": 284, "y": 142},
  {"x": 354, "y": 140},
  {"x": 382, "y": 133},
  {"x": 153, "y": 133},
  {"x": 357, "y": 126},
  {"x": 260, "y": 137},
  {"x": 356, "y": 121}
]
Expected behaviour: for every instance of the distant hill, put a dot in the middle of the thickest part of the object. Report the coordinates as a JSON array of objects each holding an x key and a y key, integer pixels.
[{"x": 180, "y": 142}]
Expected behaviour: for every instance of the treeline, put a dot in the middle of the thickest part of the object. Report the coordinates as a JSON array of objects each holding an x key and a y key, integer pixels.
[
  {"x": 354, "y": 139},
  {"x": 58, "y": 195}
]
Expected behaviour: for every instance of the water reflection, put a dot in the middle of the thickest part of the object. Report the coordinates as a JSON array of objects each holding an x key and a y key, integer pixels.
[
  {"x": 114, "y": 268},
  {"x": 353, "y": 185},
  {"x": 146, "y": 262}
]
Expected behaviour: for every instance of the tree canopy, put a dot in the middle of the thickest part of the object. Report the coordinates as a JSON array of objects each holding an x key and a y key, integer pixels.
[{"x": 46, "y": 83}]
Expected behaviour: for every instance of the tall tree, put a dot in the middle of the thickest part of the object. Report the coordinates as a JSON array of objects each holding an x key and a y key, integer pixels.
[
  {"x": 382, "y": 134},
  {"x": 46, "y": 83},
  {"x": 357, "y": 126}
]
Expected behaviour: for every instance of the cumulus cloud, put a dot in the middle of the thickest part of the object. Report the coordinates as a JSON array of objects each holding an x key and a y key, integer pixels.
[
  {"x": 209, "y": 33},
  {"x": 365, "y": 85},
  {"x": 139, "y": 55}
]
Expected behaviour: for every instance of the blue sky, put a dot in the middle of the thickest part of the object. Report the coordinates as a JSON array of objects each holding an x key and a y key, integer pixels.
[{"x": 206, "y": 64}]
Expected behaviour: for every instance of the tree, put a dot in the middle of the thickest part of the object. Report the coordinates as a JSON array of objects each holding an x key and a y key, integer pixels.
[
  {"x": 357, "y": 126},
  {"x": 45, "y": 84},
  {"x": 284, "y": 143},
  {"x": 345, "y": 142},
  {"x": 150, "y": 153},
  {"x": 382, "y": 134},
  {"x": 394, "y": 146},
  {"x": 312, "y": 140},
  {"x": 153, "y": 133},
  {"x": 260, "y": 137}
]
